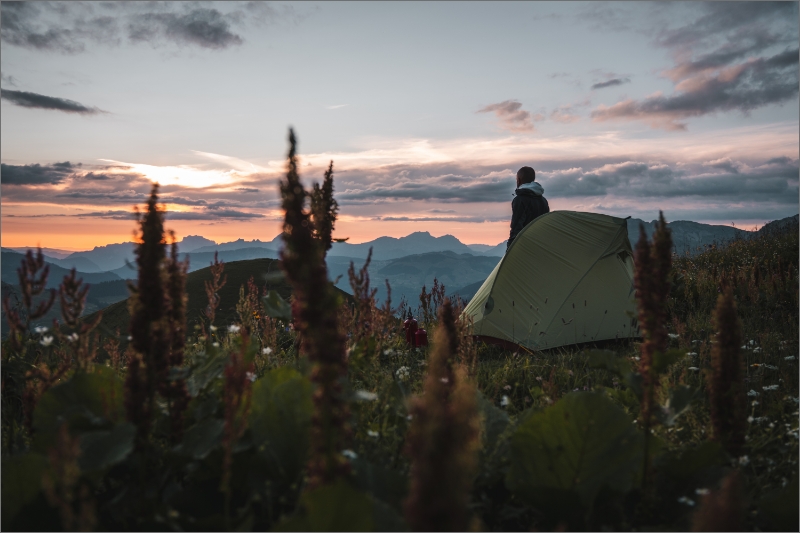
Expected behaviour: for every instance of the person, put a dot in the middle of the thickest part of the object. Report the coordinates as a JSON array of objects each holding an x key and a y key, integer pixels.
[{"x": 528, "y": 202}]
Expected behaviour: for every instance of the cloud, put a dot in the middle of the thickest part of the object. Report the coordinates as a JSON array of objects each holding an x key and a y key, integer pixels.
[
  {"x": 36, "y": 174},
  {"x": 246, "y": 189},
  {"x": 467, "y": 219},
  {"x": 511, "y": 115},
  {"x": 743, "y": 87},
  {"x": 738, "y": 56},
  {"x": 70, "y": 27},
  {"x": 611, "y": 83},
  {"x": 228, "y": 214},
  {"x": 339, "y": 106},
  {"x": 8, "y": 80},
  {"x": 206, "y": 28},
  {"x": 39, "y": 101}
]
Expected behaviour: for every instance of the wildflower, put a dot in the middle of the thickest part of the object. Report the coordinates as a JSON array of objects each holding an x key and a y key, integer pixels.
[
  {"x": 403, "y": 373},
  {"x": 373, "y": 434},
  {"x": 754, "y": 403},
  {"x": 234, "y": 328},
  {"x": 750, "y": 419},
  {"x": 388, "y": 351},
  {"x": 539, "y": 379},
  {"x": 130, "y": 338},
  {"x": 691, "y": 354},
  {"x": 46, "y": 340},
  {"x": 266, "y": 351},
  {"x": 570, "y": 373},
  {"x": 770, "y": 387},
  {"x": 40, "y": 329},
  {"x": 686, "y": 501},
  {"x": 504, "y": 401},
  {"x": 507, "y": 387},
  {"x": 350, "y": 454},
  {"x": 695, "y": 341},
  {"x": 694, "y": 368},
  {"x": 790, "y": 358},
  {"x": 366, "y": 396},
  {"x": 701, "y": 492},
  {"x": 250, "y": 375},
  {"x": 757, "y": 349},
  {"x": 752, "y": 393},
  {"x": 215, "y": 344},
  {"x": 444, "y": 380},
  {"x": 770, "y": 367},
  {"x": 72, "y": 337},
  {"x": 673, "y": 336},
  {"x": 212, "y": 327}
]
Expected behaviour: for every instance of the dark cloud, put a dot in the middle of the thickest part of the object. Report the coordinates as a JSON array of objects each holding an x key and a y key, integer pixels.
[
  {"x": 8, "y": 80},
  {"x": 473, "y": 219},
  {"x": 743, "y": 87},
  {"x": 69, "y": 27},
  {"x": 732, "y": 56},
  {"x": 96, "y": 176},
  {"x": 246, "y": 189},
  {"x": 511, "y": 115},
  {"x": 39, "y": 101},
  {"x": 228, "y": 214},
  {"x": 207, "y": 28},
  {"x": 611, "y": 83},
  {"x": 36, "y": 174}
]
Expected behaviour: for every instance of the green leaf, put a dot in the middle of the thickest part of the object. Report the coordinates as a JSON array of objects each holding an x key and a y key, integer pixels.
[
  {"x": 580, "y": 444},
  {"x": 780, "y": 507},
  {"x": 276, "y": 307},
  {"x": 87, "y": 402},
  {"x": 663, "y": 360},
  {"x": 680, "y": 399},
  {"x": 495, "y": 422},
  {"x": 691, "y": 462},
  {"x": 22, "y": 482},
  {"x": 200, "y": 439},
  {"x": 335, "y": 507},
  {"x": 280, "y": 419},
  {"x": 387, "y": 485},
  {"x": 608, "y": 360},
  {"x": 101, "y": 449},
  {"x": 203, "y": 375}
]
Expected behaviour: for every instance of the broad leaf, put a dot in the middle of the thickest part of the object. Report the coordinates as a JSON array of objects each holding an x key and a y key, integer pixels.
[
  {"x": 580, "y": 444},
  {"x": 200, "y": 439},
  {"x": 663, "y": 360},
  {"x": 87, "y": 402},
  {"x": 101, "y": 449},
  {"x": 495, "y": 422},
  {"x": 276, "y": 307},
  {"x": 280, "y": 419},
  {"x": 22, "y": 482},
  {"x": 336, "y": 507}
]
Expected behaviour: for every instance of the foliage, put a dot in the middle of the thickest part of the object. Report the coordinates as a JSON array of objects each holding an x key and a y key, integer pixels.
[{"x": 285, "y": 378}]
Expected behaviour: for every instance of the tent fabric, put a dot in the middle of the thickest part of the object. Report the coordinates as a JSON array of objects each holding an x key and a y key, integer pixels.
[{"x": 566, "y": 279}]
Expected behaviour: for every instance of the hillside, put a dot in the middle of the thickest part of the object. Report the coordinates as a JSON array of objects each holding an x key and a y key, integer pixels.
[{"x": 11, "y": 261}]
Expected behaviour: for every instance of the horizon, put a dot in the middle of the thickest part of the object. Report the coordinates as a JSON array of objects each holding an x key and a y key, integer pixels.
[{"x": 689, "y": 108}]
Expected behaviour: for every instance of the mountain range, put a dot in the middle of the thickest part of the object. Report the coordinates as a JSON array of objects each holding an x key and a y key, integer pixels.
[{"x": 406, "y": 262}]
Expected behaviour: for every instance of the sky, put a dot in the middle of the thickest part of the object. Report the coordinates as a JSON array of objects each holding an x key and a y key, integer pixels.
[{"x": 427, "y": 111}]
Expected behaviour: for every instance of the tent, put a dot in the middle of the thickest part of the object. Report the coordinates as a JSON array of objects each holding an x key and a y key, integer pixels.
[{"x": 566, "y": 279}]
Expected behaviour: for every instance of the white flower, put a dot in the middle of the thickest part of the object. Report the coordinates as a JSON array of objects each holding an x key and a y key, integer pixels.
[
  {"x": 504, "y": 401},
  {"x": 754, "y": 403},
  {"x": 673, "y": 336},
  {"x": 636, "y": 358},
  {"x": 251, "y": 376},
  {"x": 752, "y": 342},
  {"x": 350, "y": 454},
  {"x": 366, "y": 395},
  {"x": 686, "y": 501},
  {"x": 403, "y": 373},
  {"x": 752, "y": 393},
  {"x": 770, "y": 366},
  {"x": 744, "y": 460},
  {"x": 539, "y": 379},
  {"x": 757, "y": 349},
  {"x": 215, "y": 344},
  {"x": 233, "y": 328},
  {"x": 72, "y": 337},
  {"x": 790, "y": 358},
  {"x": 701, "y": 492},
  {"x": 770, "y": 387},
  {"x": 691, "y": 354},
  {"x": 444, "y": 380},
  {"x": 373, "y": 434},
  {"x": 212, "y": 327},
  {"x": 694, "y": 368},
  {"x": 266, "y": 351},
  {"x": 409, "y": 417},
  {"x": 40, "y": 329},
  {"x": 47, "y": 340},
  {"x": 130, "y": 338},
  {"x": 744, "y": 346},
  {"x": 750, "y": 419},
  {"x": 695, "y": 341},
  {"x": 388, "y": 351}
]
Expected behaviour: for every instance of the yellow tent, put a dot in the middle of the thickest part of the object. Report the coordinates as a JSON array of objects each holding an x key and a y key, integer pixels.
[{"x": 567, "y": 278}]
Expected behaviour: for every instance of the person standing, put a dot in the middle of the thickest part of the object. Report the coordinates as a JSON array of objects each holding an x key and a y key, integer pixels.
[{"x": 528, "y": 202}]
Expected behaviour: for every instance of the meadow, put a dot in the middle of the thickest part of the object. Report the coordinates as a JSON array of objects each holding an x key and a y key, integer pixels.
[{"x": 305, "y": 409}]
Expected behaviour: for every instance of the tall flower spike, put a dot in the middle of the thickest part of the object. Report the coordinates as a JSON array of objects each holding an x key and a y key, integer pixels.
[
  {"x": 314, "y": 310},
  {"x": 727, "y": 394},
  {"x": 443, "y": 438},
  {"x": 324, "y": 209}
]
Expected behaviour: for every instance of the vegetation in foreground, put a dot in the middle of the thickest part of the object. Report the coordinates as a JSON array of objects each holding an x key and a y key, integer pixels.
[{"x": 316, "y": 415}]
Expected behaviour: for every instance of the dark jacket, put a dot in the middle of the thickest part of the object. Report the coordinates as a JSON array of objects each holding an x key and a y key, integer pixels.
[{"x": 526, "y": 206}]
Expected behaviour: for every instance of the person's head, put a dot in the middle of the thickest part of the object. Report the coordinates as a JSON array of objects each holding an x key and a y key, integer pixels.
[{"x": 525, "y": 175}]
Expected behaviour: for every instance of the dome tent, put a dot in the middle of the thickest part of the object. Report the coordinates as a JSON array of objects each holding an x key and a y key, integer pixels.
[{"x": 567, "y": 278}]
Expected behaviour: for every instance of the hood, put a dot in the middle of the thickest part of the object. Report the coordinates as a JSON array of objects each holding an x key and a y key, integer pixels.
[{"x": 533, "y": 187}]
